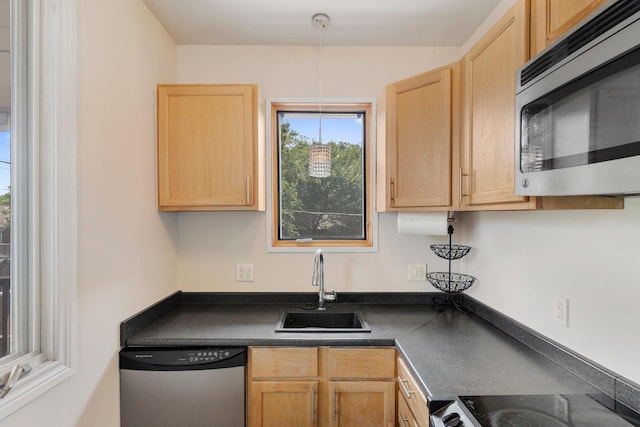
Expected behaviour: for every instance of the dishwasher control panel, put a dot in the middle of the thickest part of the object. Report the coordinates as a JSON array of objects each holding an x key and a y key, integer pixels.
[
  {"x": 192, "y": 358},
  {"x": 208, "y": 355}
]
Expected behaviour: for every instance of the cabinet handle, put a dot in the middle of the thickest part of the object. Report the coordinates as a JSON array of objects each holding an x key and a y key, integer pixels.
[
  {"x": 406, "y": 390},
  {"x": 461, "y": 194},
  {"x": 335, "y": 405},
  {"x": 391, "y": 191},
  {"x": 248, "y": 190},
  {"x": 404, "y": 420},
  {"x": 313, "y": 406}
]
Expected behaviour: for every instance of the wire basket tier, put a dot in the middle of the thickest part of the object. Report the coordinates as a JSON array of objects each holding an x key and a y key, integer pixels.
[
  {"x": 451, "y": 283},
  {"x": 450, "y": 251}
]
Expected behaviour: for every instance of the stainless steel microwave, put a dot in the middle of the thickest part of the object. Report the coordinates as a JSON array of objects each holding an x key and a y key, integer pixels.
[{"x": 578, "y": 109}]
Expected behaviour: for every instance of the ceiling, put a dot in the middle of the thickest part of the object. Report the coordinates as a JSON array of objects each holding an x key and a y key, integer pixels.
[{"x": 353, "y": 22}]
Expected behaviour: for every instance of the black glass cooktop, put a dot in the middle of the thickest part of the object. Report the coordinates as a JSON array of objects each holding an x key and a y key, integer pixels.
[{"x": 544, "y": 411}]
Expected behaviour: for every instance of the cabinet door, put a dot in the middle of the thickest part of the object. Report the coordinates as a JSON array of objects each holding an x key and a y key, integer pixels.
[
  {"x": 419, "y": 141},
  {"x": 207, "y": 147},
  {"x": 552, "y": 18},
  {"x": 490, "y": 73},
  {"x": 362, "y": 403},
  {"x": 283, "y": 403}
]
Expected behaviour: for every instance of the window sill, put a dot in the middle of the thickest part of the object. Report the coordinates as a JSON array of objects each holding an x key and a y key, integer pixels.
[{"x": 47, "y": 376}]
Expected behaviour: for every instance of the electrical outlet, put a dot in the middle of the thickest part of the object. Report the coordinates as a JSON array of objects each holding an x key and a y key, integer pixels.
[
  {"x": 561, "y": 310},
  {"x": 417, "y": 272},
  {"x": 244, "y": 272}
]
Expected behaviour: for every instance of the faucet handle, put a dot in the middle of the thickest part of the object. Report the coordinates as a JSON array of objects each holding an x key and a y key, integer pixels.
[{"x": 331, "y": 296}]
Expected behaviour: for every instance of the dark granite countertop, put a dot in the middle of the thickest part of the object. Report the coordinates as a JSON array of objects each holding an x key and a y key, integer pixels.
[
  {"x": 461, "y": 354},
  {"x": 451, "y": 353}
]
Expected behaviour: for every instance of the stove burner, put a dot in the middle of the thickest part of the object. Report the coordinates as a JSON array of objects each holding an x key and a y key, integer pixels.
[
  {"x": 571, "y": 410},
  {"x": 524, "y": 418}
]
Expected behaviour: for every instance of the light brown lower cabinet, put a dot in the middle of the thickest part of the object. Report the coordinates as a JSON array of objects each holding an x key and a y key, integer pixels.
[
  {"x": 405, "y": 416},
  {"x": 412, "y": 404},
  {"x": 362, "y": 403},
  {"x": 284, "y": 403},
  {"x": 321, "y": 386}
]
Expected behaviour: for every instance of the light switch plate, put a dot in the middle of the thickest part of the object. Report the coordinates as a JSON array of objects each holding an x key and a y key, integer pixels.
[
  {"x": 417, "y": 272},
  {"x": 244, "y": 272}
]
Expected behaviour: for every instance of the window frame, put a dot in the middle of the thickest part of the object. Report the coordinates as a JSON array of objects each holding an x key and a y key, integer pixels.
[
  {"x": 273, "y": 106},
  {"x": 44, "y": 270}
]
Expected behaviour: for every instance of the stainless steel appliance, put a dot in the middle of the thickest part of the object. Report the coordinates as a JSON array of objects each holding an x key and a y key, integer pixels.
[
  {"x": 553, "y": 410},
  {"x": 195, "y": 387},
  {"x": 578, "y": 109}
]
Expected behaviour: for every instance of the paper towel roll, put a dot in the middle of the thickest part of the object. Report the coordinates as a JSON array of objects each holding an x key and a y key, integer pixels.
[{"x": 425, "y": 223}]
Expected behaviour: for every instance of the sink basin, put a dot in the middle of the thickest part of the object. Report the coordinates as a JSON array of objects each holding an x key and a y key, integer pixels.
[{"x": 322, "y": 321}]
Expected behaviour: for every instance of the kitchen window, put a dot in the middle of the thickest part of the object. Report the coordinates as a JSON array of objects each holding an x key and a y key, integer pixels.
[
  {"x": 38, "y": 197},
  {"x": 321, "y": 174}
]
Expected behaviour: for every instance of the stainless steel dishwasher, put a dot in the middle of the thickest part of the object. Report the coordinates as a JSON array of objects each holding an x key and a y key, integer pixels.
[{"x": 195, "y": 387}]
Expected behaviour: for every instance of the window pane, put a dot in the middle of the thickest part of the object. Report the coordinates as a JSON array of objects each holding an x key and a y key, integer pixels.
[
  {"x": 5, "y": 175},
  {"x": 320, "y": 207}
]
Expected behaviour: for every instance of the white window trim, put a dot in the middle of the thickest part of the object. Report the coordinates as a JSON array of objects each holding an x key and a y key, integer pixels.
[
  {"x": 372, "y": 167},
  {"x": 52, "y": 258}
]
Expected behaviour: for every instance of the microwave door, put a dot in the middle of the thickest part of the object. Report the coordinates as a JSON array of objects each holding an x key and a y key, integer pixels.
[
  {"x": 555, "y": 135},
  {"x": 616, "y": 123}
]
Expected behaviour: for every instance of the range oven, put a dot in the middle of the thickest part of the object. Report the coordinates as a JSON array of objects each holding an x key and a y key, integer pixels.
[
  {"x": 578, "y": 109},
  {"x": 552, "y": 410}
]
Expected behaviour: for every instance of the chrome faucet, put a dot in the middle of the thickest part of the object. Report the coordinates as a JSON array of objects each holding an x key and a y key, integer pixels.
[{"x": 318, "y": 280}]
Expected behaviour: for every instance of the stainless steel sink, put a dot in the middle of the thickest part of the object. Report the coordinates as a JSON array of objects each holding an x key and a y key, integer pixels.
[{"x": 322, "y": 321}]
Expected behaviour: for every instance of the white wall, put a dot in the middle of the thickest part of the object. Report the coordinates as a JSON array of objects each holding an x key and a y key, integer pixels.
[
  {"x": 212, "y": 243},
  {"x": 523, "y": 259},
  {"x": 127, "y": 252}
]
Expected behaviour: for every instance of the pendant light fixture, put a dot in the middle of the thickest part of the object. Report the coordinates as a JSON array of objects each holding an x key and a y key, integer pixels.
[{"x": 319, "y": 153}]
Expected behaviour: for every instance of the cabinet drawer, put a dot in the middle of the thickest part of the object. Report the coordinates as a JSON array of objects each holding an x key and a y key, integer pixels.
[
  {"x": 408, "y": 388},
  {"x": 283, "y": 362},
  {"x": 370, "y": 363},
  {"x": 405, "y": 416}
]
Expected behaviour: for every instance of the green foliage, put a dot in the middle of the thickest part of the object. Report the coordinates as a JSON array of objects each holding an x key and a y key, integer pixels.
[
  {"x": 321, "y": 208},
  {"x": 5, "y": 209}
]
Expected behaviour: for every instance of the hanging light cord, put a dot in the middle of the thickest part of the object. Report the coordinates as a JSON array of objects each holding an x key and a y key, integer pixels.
[{"x": 320, "y": 82}]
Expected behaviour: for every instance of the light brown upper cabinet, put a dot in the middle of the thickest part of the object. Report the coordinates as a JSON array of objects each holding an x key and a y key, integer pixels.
[
  {"x": 552, "y": 18},
  {"x": 488, "y": 145},
  {"x": 207, "y": 147},
  {"x": 421, "y": 145},
  {"x": 488, "y": 155}
]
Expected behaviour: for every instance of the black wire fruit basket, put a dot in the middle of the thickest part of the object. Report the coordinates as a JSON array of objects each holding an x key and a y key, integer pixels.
[
  {"x": 450, "y": 251},
  {"x": 451, "y": 283}
]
